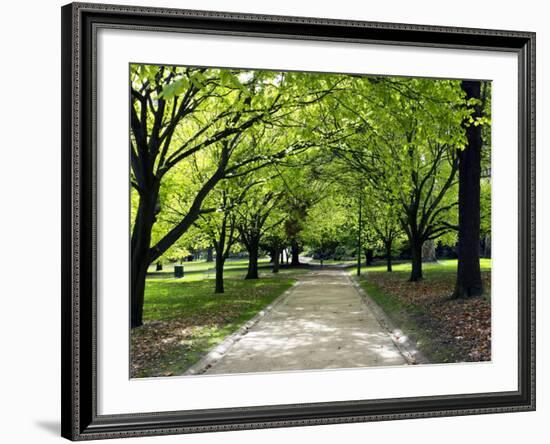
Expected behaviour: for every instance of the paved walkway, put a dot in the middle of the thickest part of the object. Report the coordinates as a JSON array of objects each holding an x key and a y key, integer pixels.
[{"x": 321, "y": 324}]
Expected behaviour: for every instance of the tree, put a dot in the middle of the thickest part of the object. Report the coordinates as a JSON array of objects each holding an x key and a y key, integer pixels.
[
  {"x": 306, "y": 182},
  {"x": 293, "y": 227},
  {"x": 326, "y": 226},
  {"x": 221, "y": 224},
  {"x": 222, "y": 245},
  {"x": 166, "y": 103},
  {"x": 274, "y": 241},
  {"x": 468, "y": 277},
  {"x": 410, "y": 130},
  {"x": 383, "y": 218},
  {"x": 178, "y": 113},
  {"x": 255, "y": 217}
]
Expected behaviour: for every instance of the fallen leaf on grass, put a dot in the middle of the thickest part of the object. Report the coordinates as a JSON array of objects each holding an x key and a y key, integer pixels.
[{"x": 462, "y": 325}]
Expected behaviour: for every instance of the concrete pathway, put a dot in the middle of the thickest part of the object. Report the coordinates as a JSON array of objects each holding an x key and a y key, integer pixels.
[{"x": 322, "y": 323}]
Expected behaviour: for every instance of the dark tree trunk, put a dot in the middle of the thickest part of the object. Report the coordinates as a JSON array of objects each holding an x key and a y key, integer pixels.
[
  {"x": 220, "y": 261},
  {"x": 468, "y": 277},
  {"x": 369, "y": 254},
  {"x": 209, "y": 254},
  {"x": 141, "y": 258},
  {"x": 139, "y": 274},
  {"x": 388, "y": 245},
  {"x": 276, "y": 260},
  {"x": 252, "y": 248},
  {"x": 416, "y": 251},
  {"x": 282, "y": 257},
  {"x": 295, "y": 250}
]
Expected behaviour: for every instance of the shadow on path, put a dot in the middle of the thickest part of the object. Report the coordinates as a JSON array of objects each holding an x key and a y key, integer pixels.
[{"x": 322, "y": 323}]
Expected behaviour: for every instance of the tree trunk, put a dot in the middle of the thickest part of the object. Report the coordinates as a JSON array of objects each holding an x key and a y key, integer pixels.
[
  {"x": 369, "y": 254},
  {"x": 295, "y": 249},
  {"x": 275, "y": 260},
  {"x": 139, "y": 274},
  {"x": 416, "y": 250},
  {"x": 468, "y": 277},
  {"x": 252, "y": 248},
  {"x": 220, "y": 261},
  {"x": 209, "y": 254},
  {"x": 141, "y": 259},
  {"x": 388, "y": 245}
]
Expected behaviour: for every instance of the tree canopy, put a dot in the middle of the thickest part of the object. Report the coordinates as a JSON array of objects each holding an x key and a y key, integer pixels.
[{"x": 261, "y": 161}]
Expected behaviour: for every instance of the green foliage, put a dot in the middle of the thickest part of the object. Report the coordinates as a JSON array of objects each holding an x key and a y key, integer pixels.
[
  {"x": 326, "y": 226},
  {"x": 316, "y": 146}
]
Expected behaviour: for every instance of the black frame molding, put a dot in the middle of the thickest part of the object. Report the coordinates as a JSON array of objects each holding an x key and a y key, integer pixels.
[{"x": 80, "y": 420}]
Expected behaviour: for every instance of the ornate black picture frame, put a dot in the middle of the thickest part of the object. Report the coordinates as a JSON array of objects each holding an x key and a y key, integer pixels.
[{"x": 80, "y": 420}]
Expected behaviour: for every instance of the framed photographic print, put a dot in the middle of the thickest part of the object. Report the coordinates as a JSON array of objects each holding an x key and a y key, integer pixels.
[{"x": 279, "y": 221}]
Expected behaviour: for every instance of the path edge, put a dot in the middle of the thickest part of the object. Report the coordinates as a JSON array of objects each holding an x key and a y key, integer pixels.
[
  {"x": 221, "y": 349},
  {"x": 405, "y": 346}
]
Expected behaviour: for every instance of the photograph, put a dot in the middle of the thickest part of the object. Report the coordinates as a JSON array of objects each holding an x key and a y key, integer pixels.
[
  {"x": 304, "y": 221},
  {"x": 277, "y": 221}
]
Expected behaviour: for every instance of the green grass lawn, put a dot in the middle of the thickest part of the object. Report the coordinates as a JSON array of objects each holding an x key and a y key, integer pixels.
[
  {"x": 444, "y": 329},
  {"x": 184, "y": 318},
  {"x": 443, "y": 265},
  {"x": 196, "y": 270}
]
